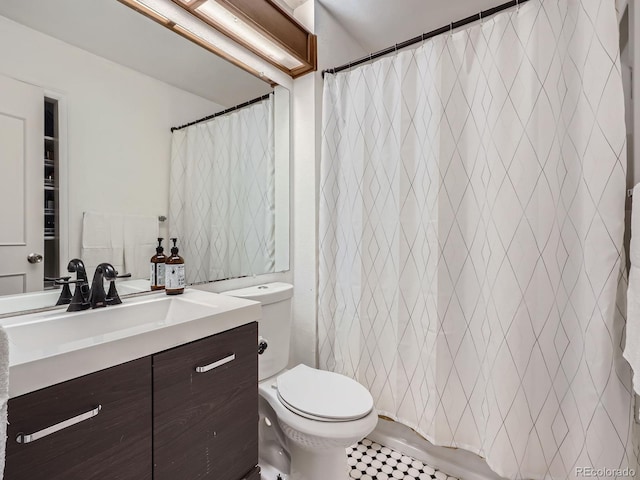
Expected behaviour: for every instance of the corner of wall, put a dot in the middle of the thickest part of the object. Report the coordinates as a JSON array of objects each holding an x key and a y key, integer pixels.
[
  {"x": 304, "y": 225},
  {"x": 335, "y": 45}
]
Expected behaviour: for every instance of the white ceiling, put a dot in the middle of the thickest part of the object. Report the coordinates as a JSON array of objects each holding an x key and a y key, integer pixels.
[
  {"x": 377, "y": 24},
  {"x": 115, "y": 32}
]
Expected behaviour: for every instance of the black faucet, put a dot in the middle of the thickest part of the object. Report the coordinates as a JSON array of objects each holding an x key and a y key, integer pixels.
[
  {"x": 80, "y": 296},
  {"x": 97, "y": 295},
  {"x": 77, "y": 266},
  {"x": 80, "y": 299}
]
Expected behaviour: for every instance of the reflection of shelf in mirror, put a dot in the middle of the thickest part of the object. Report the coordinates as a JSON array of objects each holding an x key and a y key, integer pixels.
[
  {"x": 51, "y": 139},
  {"x": 49, "y": 186},
  {"x": 49, "y": 211},
  {"x": 49, "y": 163},
  {"x": 49, "y": 237}
]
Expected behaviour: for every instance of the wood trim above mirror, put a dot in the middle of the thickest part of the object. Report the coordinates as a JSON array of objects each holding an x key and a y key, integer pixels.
[
  {"x": 153, "y": 15},
  {"x": 264, "y": 17},
  {"x": 269, "y": 19}
]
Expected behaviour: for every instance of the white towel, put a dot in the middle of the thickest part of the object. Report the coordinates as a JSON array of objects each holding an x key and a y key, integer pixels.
[
  {"x": 632, "y": 343},
  {"x": 140, "y": 240},
  {"x": 102, "y": 240},
  {"x": 4, "y": 395}
]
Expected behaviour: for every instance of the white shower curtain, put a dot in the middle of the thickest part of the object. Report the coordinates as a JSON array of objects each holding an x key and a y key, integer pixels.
[
  {"x": 222, "y": 194},
  {"x": 471, "y": 223}
]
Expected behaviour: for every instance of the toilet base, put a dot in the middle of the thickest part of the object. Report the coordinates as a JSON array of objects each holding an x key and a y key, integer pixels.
[
  {"x": 317, "y": 450},
  {"x": 322, "y": 464}
]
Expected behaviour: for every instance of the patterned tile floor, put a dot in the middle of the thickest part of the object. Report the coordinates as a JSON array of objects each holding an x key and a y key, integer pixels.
[{"x": 372, "y": 461}]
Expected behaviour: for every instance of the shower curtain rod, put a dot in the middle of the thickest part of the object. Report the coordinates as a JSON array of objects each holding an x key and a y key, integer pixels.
[
  {"x": 224, "y": 112},
  {"x": 425, "y": 36}
]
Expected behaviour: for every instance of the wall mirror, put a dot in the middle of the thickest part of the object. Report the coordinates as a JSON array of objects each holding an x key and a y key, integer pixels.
[{"x": 89, "y": 93}]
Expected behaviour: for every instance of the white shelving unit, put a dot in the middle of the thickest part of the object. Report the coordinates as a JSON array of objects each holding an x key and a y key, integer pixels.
[{"x": 51, "y": 198}]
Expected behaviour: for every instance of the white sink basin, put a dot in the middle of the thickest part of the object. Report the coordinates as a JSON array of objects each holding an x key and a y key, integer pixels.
[
  {"x": 48, "y": 298},
  {"x": 46, "y": 348},
  {"x": 64, "y": 328}
]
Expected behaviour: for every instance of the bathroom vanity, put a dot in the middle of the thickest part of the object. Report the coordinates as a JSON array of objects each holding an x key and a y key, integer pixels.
[{"x": 185, "y": 412}]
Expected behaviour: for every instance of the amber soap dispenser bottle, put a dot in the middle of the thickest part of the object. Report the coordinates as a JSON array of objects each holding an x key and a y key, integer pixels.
[
  {"x": 174, "y": 271},
  {"x": 158, "y": 267}
]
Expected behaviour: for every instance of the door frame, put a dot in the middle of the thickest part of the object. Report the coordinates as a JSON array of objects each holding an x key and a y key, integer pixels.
[{"x": 63, "y": 176}]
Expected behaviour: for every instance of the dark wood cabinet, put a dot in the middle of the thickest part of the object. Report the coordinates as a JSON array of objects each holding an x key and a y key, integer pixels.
[
  {"x": 189, "y": 413},
  {"x": 113, "y": 444},
  {"x": 205, "y": 406}
]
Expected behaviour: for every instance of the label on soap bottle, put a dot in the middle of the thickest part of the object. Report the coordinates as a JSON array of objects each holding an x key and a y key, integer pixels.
[
  {"x": 157, "y": 274},
  {"x": 174, "y": 276}
]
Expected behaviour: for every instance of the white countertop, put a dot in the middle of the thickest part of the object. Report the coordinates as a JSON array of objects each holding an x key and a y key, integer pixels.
[{"x": 50, "y": 347}]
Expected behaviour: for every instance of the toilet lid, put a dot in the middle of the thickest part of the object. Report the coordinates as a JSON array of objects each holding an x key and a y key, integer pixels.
[{"x": 319, "y": 394}]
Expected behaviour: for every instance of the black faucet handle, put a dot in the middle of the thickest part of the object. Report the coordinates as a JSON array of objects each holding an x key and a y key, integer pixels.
[
  {"x": 79, "y": 301},
  {"x": 57, "y": 280},
  {"x": 112, "y": 295},
  {"x": 65, "y": 293}
]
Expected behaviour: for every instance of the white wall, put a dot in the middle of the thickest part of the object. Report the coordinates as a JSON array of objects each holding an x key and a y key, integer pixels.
[
  {"x": 118, "y": 124},
  {"x": 303, "y": 345}
]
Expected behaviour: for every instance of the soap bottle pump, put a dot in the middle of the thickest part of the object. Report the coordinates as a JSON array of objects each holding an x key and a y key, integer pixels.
[
  {"x": 174, "y": 271},
  {"x": 158, "y": 267}
]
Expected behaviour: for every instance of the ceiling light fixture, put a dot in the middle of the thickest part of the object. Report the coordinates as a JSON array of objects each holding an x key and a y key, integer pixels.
[{"x": 261, "y": 26}]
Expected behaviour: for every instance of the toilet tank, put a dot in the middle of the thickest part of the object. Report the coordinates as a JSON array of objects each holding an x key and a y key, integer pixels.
[{"x": 274, "y": 326}]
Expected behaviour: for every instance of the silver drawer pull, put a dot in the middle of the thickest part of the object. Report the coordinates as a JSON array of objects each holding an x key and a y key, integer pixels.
[
  {"x": 217, "y": 364},
  {"x": 24, "y": 438}
]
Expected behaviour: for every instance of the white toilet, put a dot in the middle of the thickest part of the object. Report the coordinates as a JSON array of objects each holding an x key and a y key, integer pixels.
[{"x": 313, "y": 414}]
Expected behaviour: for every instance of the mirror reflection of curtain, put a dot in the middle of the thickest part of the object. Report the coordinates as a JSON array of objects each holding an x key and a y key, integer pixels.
[{"x": 222, "y": 194}]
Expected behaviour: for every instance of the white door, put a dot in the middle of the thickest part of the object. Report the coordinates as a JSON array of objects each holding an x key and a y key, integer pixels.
[{"x": 21, "y": 186}]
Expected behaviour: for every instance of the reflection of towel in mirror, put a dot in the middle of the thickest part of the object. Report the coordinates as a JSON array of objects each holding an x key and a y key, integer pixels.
[
  {"x": 4, "y": 395},
  {"x": 632, "y": 343},
  {"x": 102, "y": 241},
  {"x": 140, "y": 235}
]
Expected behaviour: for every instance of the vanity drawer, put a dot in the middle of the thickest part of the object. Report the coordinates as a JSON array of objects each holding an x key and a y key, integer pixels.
[
  {"x": 205, "y": 406},
  {"x": 91, "y": 428}
]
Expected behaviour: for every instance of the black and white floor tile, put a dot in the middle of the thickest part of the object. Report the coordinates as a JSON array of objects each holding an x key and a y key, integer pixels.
[{"x": 372, "y": 461}]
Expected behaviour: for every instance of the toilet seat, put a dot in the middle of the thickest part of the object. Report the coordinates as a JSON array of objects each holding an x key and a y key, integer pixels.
[{"x": 323, "y": 396}]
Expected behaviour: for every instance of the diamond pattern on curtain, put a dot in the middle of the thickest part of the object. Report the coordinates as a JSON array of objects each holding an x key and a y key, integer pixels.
[
  {"x": 471, "y": 224},
  {"x": 222, "y": 194}
]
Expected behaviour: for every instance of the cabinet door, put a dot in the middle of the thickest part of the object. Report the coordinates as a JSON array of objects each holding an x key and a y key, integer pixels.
[
  {"x": 206, "y": 408},
  {"x": 106, "y": 428}
]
